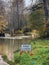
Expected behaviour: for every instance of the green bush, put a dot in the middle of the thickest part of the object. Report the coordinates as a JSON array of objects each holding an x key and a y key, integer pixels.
[
  {"x": 17, "y": 58},
  {"x": 26, "y": 59},
  {"x": 5, "y": 58},
  {"x": 45, "y": 63},
  {"x": 11, "y": 62}
]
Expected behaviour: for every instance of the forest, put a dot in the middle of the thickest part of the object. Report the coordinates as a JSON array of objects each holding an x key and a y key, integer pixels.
[{"x": 16, "y": 17}]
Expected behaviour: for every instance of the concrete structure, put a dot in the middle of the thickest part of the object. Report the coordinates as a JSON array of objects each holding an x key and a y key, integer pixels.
[{"x": 2, "y": 62}]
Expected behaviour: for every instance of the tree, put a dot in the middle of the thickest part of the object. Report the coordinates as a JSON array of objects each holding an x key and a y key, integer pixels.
[
  {"x": 3, "y": 24},
  {"x": 2, "y": 10},
  {"x": 14, "y": 16},
  {"x": 45, "y": 9},
  {"x": 45, "y": 2},
  {"x": 37, "y": 20}
]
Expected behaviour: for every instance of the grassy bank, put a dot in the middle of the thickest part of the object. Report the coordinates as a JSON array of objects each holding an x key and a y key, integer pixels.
[
  {"x": 41, "y": 52},
  {"x": 39, "y": 55}
]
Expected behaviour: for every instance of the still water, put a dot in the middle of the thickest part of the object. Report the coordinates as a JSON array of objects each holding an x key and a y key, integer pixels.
[{"x": 9, "y": 45}]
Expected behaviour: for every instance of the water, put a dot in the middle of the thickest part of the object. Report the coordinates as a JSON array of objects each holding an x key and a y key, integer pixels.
[{"x": 9, "y": 45}]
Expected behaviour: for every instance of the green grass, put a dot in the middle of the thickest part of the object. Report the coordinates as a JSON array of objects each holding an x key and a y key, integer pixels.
[{"x": 40, "y": 48}]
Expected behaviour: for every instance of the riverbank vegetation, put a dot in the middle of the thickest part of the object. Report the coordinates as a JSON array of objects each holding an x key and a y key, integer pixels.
[{"x": 39, "y": 55}]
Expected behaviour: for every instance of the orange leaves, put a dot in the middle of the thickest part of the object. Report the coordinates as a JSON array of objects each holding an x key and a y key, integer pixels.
[
  {"x": 21, "y": 52},
  {"x": 30, "y": 53},
  {"x": 3, "y": 23}
]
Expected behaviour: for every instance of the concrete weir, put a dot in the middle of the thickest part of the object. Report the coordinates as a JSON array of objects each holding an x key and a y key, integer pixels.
[{"x": 8, "y": 45}]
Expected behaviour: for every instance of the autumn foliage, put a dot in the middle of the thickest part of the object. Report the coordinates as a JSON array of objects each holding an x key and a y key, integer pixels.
[{"x": 3, "y": 23}]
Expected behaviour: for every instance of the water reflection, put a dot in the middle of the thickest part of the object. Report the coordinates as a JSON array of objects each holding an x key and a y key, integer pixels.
[{"x": 9, "y": 45}]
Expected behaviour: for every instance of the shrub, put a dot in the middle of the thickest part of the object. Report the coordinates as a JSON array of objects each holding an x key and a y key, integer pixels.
[
  {"x": 5, "y": 58},
  {"x": 17, "y": 58},
  {"x": 26, "y": 59},
  {"x": 11, "y": 62},
  {"x": 45, "y": 63}
]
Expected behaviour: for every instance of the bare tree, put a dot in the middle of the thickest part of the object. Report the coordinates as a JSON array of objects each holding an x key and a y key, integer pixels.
[
  {"x": 1, "y": 8},
  {"x": 14, "y": 14}
]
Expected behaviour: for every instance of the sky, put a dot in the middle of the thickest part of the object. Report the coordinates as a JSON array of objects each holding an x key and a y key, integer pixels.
[
  {"x": 6, "y": 0},
  {"x": 27, "y": 2}
]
